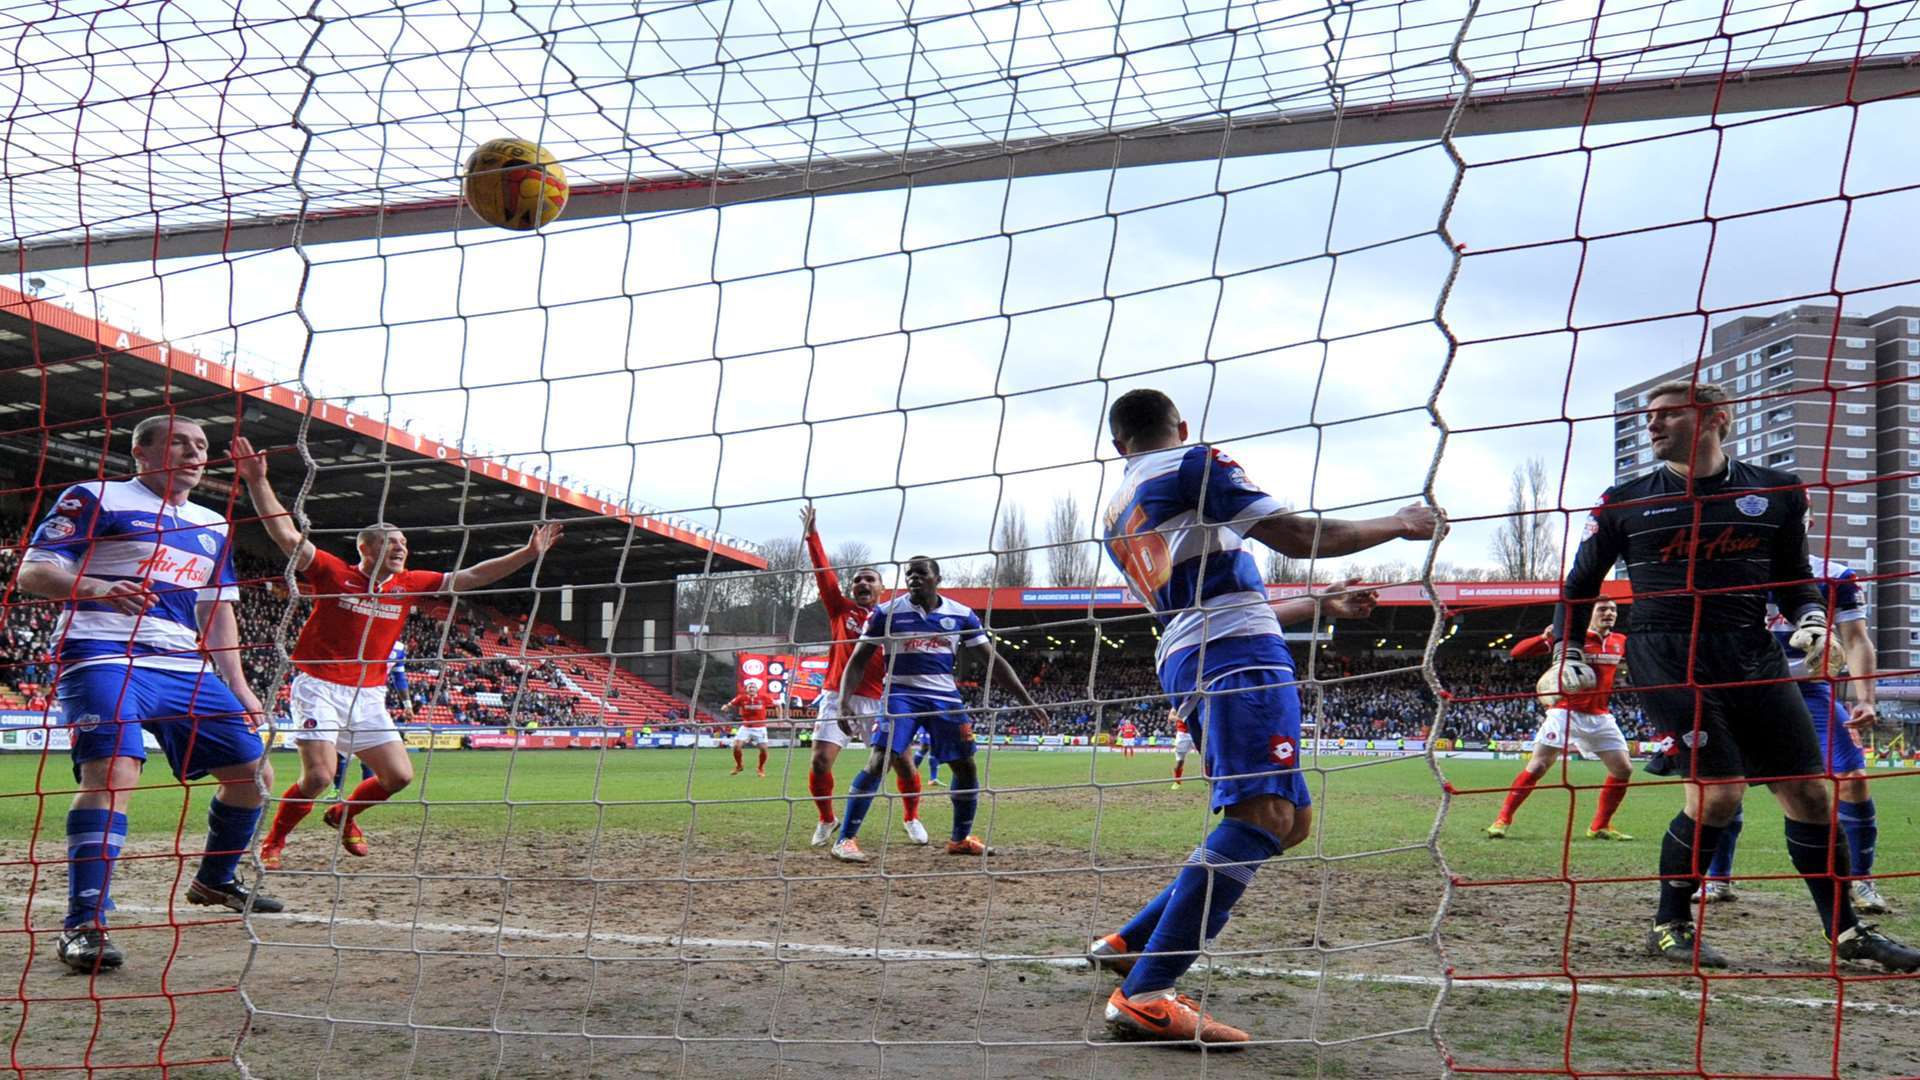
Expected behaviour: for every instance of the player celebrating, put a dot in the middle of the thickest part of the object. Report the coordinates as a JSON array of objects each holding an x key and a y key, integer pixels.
[
  {"x": 339, "y": 689},
  {"x": 147, "y": 577},
  {"x": 1174, "y": 529},
  {"x": 1182, "y": 746},
  {"x": 1840, "y": 591},
  {"x": 750, "y": 707},
  {"x": 840, "y": 719},
  {"x": 1127, "y": 733},
  {"x": 1705, "y": 539},
  {"x": 1583, "y": 720},
  {"x": 919, "y": 631}
]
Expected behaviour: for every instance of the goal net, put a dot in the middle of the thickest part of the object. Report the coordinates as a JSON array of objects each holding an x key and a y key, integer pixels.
[{"x": 892, "y": 264}]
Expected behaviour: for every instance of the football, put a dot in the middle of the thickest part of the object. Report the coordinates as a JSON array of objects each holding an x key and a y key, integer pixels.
[{"x": 514, "y": 184}]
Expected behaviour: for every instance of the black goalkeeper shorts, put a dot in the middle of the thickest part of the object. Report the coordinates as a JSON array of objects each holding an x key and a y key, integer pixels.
[{"x": 1722, "y": 726}]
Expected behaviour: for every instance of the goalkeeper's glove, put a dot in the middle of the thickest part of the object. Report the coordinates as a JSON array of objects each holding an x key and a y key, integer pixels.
[
  {"x": 1817, "y": 642},
  {"x": 1569, "y": 674}
]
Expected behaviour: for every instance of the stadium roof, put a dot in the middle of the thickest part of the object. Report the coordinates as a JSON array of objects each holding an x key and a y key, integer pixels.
[{"x": 73, "y": 381}]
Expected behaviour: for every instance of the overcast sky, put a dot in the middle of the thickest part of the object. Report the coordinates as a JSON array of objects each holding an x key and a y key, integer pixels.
[{"x": 913, "y": 361}]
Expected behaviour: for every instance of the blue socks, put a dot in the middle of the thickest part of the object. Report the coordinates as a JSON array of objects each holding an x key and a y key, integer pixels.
[
  {"x": 94, "y": 840},
  {"x": 1205, "y": 890},
  {"x": 859, "y": 797},
  {"x": 1862, "y": 830},
  {"x": 229, "y": 832},
  {"x": 1721, "y": 866},
  {"x": 966, "y": 803},
  {"x": 1139, "y": 929}
]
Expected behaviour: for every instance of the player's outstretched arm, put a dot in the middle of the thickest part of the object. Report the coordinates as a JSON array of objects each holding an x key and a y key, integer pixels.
[
  {"x": 251, "y": 465},
  {"x": 1000, "y": 672},
  {"x": 481, "y": 575},
  {"x": 1340, "y": 602},
  {"x": 1305, "y": 536}
]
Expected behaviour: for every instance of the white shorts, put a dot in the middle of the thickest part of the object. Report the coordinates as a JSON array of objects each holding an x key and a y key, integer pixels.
[
  {"x": 1590, "y": 733},
  {"x": 1182, "y": 743},
  {"x": 352, "y": 718},
  {"x": 858, "y": 712},
  {"x": 752, "y": 736}
]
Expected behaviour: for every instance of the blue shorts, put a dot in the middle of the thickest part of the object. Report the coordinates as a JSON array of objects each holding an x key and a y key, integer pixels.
[
  {"x": 193, "y": 715},
  {"x": 1247, "y": 724},
  {"x": 949, "y": 734},
  {"x": 1843, "y": 755}
]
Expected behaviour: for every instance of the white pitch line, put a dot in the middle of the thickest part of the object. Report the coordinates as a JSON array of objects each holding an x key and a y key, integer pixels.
[{"x": 1427, "y": 982}]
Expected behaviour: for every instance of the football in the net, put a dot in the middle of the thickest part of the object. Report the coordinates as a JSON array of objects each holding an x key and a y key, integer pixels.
[{"x": 515, "y": 184}]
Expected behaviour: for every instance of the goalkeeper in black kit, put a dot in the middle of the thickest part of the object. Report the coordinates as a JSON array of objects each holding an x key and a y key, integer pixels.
[{"x": 1706, "y": 540}]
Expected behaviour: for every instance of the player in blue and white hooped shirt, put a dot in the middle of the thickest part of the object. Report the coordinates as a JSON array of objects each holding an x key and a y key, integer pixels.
[
  {"x": 148, "y": 640},
  {"x": 1852, "y": 644},
  {"x": 1174, "y": 528},
  {"x": 921, "y": 632}
]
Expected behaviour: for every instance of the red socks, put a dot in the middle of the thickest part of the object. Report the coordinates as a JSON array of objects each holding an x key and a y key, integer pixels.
[
  {"x": 369, "y": 791},
  {"x": 762, "y": 766},
  {"x": 909, "y": 795},
  {"x": 1611, "y": 794},
  {"x": 737, "y": 763},
  {"x": 294, "y": 807},
  {"x": 821, "y": 788},
  {"x": 1178, "y": 768},
  {"x": 1517, "y": 794}
]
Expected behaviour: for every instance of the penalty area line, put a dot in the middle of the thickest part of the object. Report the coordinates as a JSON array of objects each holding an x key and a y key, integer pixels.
[{"x": 785, "y": 949}]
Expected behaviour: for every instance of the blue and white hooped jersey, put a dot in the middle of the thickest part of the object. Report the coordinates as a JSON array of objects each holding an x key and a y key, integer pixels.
[
  {"x": 920, "y": 645},
  {"x": 1174, "y": 530},
  {"x": 1840, "y": 593},
  {"x": 397, "y": 666},
  {"x": 119, "y": 530}
]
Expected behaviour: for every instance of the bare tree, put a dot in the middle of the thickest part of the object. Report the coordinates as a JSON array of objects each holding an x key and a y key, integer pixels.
[
  {"x": 1527, "y": 545},
  {"x": 1070, "y": 556},
  {"x": 1012, "y": 562},
  {"x": 851, "y": 556},
  {"x": 785, "y": 586}
]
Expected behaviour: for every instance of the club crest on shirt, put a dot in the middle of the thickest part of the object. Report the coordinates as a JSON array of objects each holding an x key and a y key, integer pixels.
[
  {"x": 1751, "y": 505},
  {"x": 948, "y": 622},
  {"x": 207, "y": 543}
]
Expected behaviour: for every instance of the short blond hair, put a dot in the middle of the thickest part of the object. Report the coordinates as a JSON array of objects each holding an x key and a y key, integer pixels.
[{"x": 1707, "y": 395}]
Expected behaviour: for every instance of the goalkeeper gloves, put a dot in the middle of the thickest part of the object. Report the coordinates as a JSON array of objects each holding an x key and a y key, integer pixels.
[
  {"x": 1817, "y": 642},
  {"x": 1569, "y": 674}
]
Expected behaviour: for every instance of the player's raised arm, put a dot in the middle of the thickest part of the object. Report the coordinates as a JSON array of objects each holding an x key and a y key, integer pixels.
[
  {"x": 252, "y": 469},
  {"x": 481, "y": 575},
  {"x": 823, "y": 575}
]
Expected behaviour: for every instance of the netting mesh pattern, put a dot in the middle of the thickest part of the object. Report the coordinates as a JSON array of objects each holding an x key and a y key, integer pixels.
[{"x": 142, "y": 117}]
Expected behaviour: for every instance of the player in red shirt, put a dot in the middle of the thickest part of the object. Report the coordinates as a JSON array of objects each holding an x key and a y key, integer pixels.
[
  {"x": 339, "y": 690},
  {"x": 1127, "y": 734},
  {"x": 1580, "y": 718},
  {"x": 1182, "y": 746},
  {"x": 751, "y": 705},
  {"x": 840, "y": 721}
]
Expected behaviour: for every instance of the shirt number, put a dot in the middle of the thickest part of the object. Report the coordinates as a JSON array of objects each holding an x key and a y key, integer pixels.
[{"x": 1142, "y": 555}]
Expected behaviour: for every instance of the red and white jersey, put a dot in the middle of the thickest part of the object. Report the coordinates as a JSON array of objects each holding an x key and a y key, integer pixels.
[
  {"x": 354, "y": 624},
  {"x": 1604, "y": 654},
  {"x": 847, "y": 619},
  {"x": 1179, "y": 726},
  {"x": 752, "y": 707},
  {"x": 1128, "y": 731}
]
